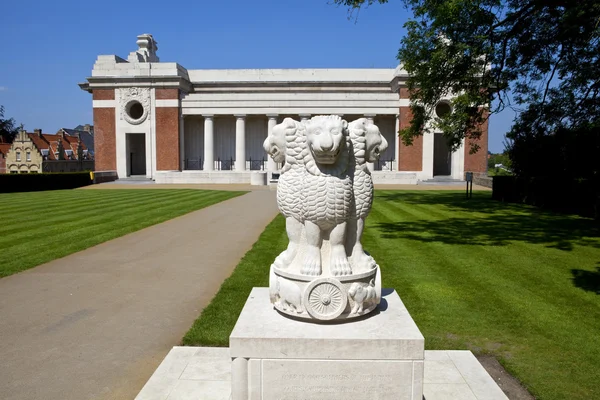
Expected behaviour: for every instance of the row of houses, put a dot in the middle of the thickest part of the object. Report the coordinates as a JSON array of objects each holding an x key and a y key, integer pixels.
[{"x": 33, "y": 152}]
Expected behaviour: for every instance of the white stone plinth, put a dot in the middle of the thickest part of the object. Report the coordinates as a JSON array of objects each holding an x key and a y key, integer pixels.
[{"x": 378, "y": 356}]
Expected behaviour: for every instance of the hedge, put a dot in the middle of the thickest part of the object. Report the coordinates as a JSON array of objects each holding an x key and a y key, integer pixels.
[
  {"x": 577, "y": 196},
  {"x": 10, "y": 183}
]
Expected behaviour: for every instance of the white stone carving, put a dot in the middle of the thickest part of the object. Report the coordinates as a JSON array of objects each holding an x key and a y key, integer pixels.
[
  {"x": 325, "y": 298},
  {"x": 367, "y": 144},
  {"x": 325, "y": 192},
  {"x": 285, "y": 294},
  {"x": 147, "y": 48},
  {"x": 131, "y": 96},
  {"x": 362, "y": 294}
]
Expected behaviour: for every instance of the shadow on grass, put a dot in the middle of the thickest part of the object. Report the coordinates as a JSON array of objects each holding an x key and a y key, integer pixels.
[
  {"x": 483, "y": 221},
  {"x": 587, "y": 280}
]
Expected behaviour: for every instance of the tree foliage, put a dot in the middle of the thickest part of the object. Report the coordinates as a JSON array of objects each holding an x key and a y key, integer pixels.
[
  {"x": 8, "y": 128},
  {"x": 540, "y": 57}
]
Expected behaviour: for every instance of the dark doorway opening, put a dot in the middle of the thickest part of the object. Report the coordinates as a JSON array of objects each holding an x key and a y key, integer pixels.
[
  {"x": 442, "y": 156},
  {"x": 136, "y": 154}
]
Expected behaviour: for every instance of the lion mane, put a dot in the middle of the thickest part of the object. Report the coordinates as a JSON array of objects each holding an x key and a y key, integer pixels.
[
  {"x": 327, "y": 189},
  {"x": 292, "y": 173},
  {"x": 362, "y": 182}
]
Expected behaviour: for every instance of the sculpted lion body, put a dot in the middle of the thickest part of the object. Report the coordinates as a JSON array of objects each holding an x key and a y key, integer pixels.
[
  {"x": 327, "y": 192},
  {"x": 325, "y": 188},
  {"x": 286, "y": 144},
  {"x": 367, "y": 146}
]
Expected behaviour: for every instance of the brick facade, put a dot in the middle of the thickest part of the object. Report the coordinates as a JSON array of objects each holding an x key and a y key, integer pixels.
[
  {"x": 105, "y": 139},
  {"x": 167, "y": 94},
  {"x": 477, "y": 162},
  {"x": 103, "y": 94},
  {"x": 167, "y": 138},
  {"x": 410, "y": 158}
]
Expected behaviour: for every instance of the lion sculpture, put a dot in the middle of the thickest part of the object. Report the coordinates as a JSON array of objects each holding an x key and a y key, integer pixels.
[
  {"x": 326, "y": 193},
  {"x": 367, "y": 145},
  {"x": 286, "y": 145}
]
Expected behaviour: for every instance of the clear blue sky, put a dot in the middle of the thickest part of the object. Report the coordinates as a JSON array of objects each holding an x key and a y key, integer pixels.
[{"x": 49, "y": 47}]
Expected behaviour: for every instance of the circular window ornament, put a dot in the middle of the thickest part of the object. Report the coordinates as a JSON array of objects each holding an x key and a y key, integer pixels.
[
  {"x": 135, "y": 113},
  {"x": 325, "y": 299},
  {"x": 442, "y": 109}
]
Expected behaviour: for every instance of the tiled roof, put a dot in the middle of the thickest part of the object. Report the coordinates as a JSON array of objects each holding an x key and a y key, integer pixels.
[
  {"x": 50, "y": 143},
  {"x": 41, "y": 144},
  {"x": 4, "y": 147},
  {"x": 86, "y": 137}
]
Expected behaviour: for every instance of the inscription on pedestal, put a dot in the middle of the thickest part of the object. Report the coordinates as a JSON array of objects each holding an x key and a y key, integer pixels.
[{"x": 336, "y": 380}]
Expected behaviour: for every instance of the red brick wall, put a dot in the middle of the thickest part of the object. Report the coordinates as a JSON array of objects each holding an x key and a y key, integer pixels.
[
  {"x": 410, "y": 157},
  {"x": 477, "y": 162},
  {"x": 103, "y": 94},
  {"x": 166, "y": 94},
  {"x": 2, "y": 164},
  {"x": 105, "y": 139},
  {"x": 167, "y": 138}
]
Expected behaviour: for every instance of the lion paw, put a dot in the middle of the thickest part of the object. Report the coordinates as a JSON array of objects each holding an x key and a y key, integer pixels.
[
  {"x": 283, "y": 260},
  {"x": 312, "y": 263},
  {"x": 363, "y": 261},
  {"x": 339, "y": 263}
]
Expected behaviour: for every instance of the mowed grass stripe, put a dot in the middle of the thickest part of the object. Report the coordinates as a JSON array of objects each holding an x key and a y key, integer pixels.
[
  {"x": 80, "y": 203},
  {"x": 98, "y": 216},
  {"x": 93, "y": 216},
  {"x": 64, "y": 213},
  {"x": 34, "y": 201},
  {"x": 94, "y": 226}
]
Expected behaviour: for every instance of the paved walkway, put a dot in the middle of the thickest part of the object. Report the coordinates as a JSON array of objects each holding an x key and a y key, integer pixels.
[{"x": 96, "y": 324}]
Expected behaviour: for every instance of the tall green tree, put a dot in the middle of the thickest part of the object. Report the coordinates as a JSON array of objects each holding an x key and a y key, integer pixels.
[
  {"x": 8, "y": 128},
  {"x": 541, "y": 57}
]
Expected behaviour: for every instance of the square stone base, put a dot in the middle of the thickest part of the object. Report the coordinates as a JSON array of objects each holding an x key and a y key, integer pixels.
[{"x": 379, "y": 356}]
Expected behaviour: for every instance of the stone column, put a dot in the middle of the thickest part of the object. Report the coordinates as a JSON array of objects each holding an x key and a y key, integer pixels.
[
  {"x": 181, "y": 142},
  {"x": 240, "y": 143},
  {"x": 271, "y": 165},
  {"x": 369, "y": 118},
  {"x": 209, "y": 148},
  {"x": 397, "y": 143}
]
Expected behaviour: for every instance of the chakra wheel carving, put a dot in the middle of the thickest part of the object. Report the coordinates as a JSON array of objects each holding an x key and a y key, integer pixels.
[{"x": 325, "y": 299}]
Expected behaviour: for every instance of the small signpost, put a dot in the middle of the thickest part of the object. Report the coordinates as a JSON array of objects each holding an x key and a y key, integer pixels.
[{"x": 469, "y": 178}]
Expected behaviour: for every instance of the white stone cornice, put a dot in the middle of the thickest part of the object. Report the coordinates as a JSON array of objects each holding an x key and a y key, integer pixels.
[
  {"x": 167, "y": 103},
  {"x": 104, "y": 103}
]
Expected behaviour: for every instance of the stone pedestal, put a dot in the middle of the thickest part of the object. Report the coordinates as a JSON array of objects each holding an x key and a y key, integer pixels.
[{"x": 275, "y": 357}]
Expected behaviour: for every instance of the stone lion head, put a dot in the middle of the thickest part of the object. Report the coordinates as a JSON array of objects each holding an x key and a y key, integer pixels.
[
  {"x": 275, "y": 143},
  {"x": 375, "y": 143},
  {"x": 325, "y": 138},
  {"x": 367, "y": 140}
]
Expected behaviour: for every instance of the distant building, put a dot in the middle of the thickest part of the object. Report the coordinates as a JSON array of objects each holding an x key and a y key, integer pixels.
[
  {"x": 85, "y": 133},
  {"x": 38, "y": 152},
  {"x": 174, "y": 125},
  {"x": 4, "y": 147}
]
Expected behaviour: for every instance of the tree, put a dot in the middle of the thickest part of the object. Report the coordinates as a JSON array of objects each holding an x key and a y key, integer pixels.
[
  {"x": 544, "y": 54},
  {"x": 8, "y": 128}
]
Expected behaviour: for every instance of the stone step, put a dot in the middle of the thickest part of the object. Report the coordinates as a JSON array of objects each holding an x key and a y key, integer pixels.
[{"x": 205, "y": 373}]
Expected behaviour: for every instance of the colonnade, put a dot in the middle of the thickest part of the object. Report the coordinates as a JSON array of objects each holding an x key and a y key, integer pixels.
[{"x": 240, "y": 140}]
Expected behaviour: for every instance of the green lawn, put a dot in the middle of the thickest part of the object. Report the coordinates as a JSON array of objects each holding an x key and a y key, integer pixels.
[
  {"x": 37, "y": 227},
  {"x": 509, "y": 280}
]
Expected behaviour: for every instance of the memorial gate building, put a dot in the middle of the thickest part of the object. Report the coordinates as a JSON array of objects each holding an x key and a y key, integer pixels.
[{"x": 174, "y": 125}]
